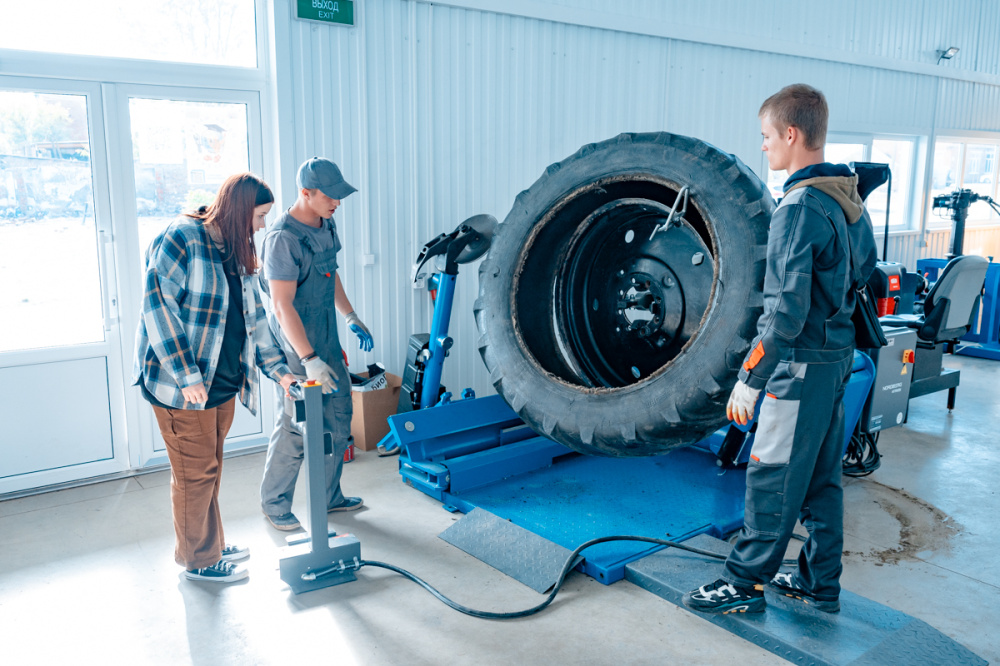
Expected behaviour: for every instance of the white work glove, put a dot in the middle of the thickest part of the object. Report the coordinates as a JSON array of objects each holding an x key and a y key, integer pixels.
[
  {"x": 742, "y": 401},
  {"x": 364, "y": 335},
  {"x": 318, "y": 370}
]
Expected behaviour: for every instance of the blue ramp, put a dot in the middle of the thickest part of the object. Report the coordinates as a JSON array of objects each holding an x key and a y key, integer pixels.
[{"x": 577, "y": 498}]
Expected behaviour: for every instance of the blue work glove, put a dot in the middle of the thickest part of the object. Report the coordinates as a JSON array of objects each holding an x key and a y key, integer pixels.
[{"x": 360, "y": 330}]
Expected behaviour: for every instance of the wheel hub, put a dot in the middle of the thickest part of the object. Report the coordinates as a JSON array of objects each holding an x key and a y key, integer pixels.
[{"x": 631, "y": 298}]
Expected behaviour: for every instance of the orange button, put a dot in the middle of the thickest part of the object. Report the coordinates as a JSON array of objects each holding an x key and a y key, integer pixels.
[{"x": 907, "y": 356}]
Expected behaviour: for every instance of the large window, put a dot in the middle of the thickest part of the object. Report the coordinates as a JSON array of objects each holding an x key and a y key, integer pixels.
[
  {"x": 208, "y": 32},
  {"x": 898, "y": 152},
  {"x": 114, "y": 117},
  {"x": 181, "y": 152},
  {"x": 49, "y": 243},
  {"x": 965, "y": 164}
]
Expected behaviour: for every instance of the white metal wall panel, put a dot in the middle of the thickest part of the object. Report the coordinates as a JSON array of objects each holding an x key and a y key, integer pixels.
[
  {"x": 963, "y": 105},
  {"x": 904, "y": 30},
  {"x": 935, "y": 243},
  {"x": 906, "y": 248},
  {"x": 989, "y": 39},
  {"x": 984, "y": 241},
  {"x": 438, "y": 112},
  {"x": 902, "y": 248}
]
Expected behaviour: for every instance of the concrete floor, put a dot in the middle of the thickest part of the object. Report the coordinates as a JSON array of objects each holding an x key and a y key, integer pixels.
[{"x": 87, "y": 574}]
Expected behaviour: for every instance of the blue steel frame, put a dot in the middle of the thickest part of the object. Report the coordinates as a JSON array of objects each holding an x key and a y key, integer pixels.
[
  {"x": 456, "y": 448},
  {"x": 439, "y": 343}
]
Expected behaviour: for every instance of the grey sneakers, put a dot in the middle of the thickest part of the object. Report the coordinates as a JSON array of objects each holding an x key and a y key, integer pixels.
[{"x": 285, "y": 522}]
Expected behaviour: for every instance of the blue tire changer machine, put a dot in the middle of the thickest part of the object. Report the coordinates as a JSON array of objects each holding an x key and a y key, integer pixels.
[{"x": 477, "y": 456}]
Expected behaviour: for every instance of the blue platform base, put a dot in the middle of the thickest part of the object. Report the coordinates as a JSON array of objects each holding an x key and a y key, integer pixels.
[
  {"x": 990, "y": 351},
  {"x": 675, "y": 496},
  {"x": 862, "y": 633}
]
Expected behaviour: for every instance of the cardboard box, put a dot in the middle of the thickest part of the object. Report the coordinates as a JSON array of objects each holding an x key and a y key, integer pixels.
[{"x": 371, "y": 409}]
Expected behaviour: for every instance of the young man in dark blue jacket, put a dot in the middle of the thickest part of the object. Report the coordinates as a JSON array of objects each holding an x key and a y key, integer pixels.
[{"x": 802, "y": 355}]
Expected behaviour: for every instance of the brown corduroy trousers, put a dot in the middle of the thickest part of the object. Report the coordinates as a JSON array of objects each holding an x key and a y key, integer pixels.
[{"x": 194, "y": 439}]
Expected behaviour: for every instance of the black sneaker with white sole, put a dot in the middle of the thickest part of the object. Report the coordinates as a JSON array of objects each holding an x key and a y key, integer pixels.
[
  {"x": 723, "y": 597},
  {"x": 233, "y": 553},
  {"x": 220, "y": 572},
  {"x": 785, "y": 583}
]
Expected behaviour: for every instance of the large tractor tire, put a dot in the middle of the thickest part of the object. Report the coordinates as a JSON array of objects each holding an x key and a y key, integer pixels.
[{"x": 610, "y": 338}]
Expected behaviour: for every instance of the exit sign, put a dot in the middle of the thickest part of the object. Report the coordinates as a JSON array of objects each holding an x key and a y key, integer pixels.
[{"x": 327, "y": 11}]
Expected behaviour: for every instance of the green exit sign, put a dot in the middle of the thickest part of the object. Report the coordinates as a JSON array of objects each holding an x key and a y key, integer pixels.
[{"x": 328, "y": 11}]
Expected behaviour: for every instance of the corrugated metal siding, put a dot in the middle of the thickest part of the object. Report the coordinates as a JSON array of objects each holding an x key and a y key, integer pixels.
[
  {"x": 962, "y": 105},
  {"x": 935, "y": 243},
  {"x": 907, "y": 248},
  {"x": 984, "y": 241},
  {"x": 438, "y": 113},
  {"x": 905, "y": 30}
]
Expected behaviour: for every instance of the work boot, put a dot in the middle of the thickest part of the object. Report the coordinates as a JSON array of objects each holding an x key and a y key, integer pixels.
[
  {"x": 723, "y": 597},
  {"x": 786, "y": 584}
]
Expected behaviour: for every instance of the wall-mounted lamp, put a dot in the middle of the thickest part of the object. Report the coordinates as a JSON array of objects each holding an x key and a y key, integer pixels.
[{"x": 947, "y": 54}]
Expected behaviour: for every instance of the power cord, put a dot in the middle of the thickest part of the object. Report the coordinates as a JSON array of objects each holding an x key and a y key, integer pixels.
[
  {"x": 862, "y": 456},
  {"x": 567, "y": 567}
]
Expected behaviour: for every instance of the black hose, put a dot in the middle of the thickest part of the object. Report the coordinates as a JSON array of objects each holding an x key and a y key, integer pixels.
[
  {"x": 862, "y": 456},
  {"x": 567, "y": 567}
]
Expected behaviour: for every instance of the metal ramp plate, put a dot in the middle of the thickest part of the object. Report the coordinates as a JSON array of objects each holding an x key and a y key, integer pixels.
[
  {"x": 522, "y": 555},
  {"x": 863, "y": 633},
  {"x": 583, "y": 497}
]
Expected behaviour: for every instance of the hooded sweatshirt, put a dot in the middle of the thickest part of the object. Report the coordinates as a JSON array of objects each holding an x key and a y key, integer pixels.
[{"x": 808, "y": 284}]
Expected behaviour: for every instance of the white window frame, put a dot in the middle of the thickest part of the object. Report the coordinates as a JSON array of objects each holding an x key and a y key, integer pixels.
[
  {"x": 117, "y": 79},
  {"x": 912, "y": 221},
  {"x": 124, "y": 195},
  {"x": 110, "y": 278},
  {"x": 910, "y": 199},
  {"x": 933, "y": 221}
]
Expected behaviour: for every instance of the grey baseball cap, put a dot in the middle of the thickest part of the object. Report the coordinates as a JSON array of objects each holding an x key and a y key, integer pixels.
[{"x": 323, "y": 175}]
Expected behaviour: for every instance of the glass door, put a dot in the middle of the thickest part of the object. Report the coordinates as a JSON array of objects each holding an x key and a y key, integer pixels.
[
  {"x": 61, "y": 380},
  {"x": 180, "y": 146}
]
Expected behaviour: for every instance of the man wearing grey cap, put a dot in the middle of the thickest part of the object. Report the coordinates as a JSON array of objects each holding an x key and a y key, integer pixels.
[{"x": 299, "y": 257}]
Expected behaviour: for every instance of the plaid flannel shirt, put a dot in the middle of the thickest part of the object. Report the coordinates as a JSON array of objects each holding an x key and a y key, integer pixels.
[{"x": 183, "y": 318}]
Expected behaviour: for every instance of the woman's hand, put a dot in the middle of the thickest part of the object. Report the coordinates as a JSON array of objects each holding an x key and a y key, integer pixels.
[
  {"x": 195, "y": 394},
  {"x": 287, "y": 381}
]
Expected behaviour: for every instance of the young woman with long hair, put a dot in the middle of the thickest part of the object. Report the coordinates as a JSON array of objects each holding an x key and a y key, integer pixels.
[{"x": 201, "y": 332}]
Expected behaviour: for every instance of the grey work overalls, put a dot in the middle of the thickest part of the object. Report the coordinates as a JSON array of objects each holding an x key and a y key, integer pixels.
[
  {"x": 795, "y": 463},
  {"x": 314, "y": 303}
]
